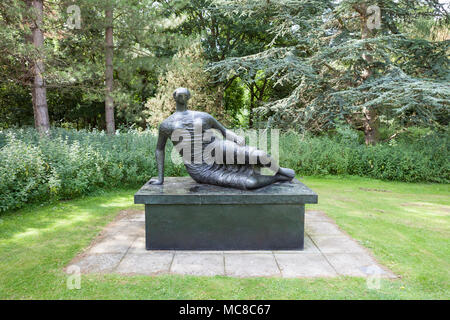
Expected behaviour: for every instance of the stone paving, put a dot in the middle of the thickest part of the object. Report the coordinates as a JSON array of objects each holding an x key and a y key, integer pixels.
[{"x": 329, "y": 252}]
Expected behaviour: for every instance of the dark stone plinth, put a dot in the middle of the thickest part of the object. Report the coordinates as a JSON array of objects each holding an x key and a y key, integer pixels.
[{"x": 184, "y": 215}]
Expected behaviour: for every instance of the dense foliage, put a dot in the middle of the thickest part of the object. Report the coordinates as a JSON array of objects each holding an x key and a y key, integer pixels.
[
  {"x": 74, "y": 56},
  {"x": 292, "y": 64},
  {"x": 333, "y": 62},
  {"x": 187, "y": 68},
  {"x": 298, "y": 64},
  {"x": 71, "y": 163},
  {"x": 326, "y": 72}
]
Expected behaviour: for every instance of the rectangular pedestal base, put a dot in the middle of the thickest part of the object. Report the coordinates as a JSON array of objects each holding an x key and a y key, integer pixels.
[
  {"x": 184, "y": 215},
  {"x": 224, "y": 226}
]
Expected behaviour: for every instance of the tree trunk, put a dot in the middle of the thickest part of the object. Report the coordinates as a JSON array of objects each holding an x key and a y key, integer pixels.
[
  {"x": 370, "y": 116},
  {"x": 39, "y": 91},
  {"x": 370, "y": 125},
  {"x": 252, "y": 106},
  {"x": 109, "y": 47},
  {"x": 218, "y": 101}
]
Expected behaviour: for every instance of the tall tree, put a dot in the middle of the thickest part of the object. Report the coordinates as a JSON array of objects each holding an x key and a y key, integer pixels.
[
  {"x": 39, "y": 91},
  {"x": 337, "y": 67},
  {"x": 23, "y": 54},
  {"x": 369, "y": 114},
  {"x": 390, "y": 84},
  {"x": 129, "y": 48},
  {"x": 227, "y": 35},
  {"x": 109, "y": 70},
  {"x": 145, "y": 38}
]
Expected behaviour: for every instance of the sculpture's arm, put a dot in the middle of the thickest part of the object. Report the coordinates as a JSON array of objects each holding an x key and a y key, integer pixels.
[
  {"x": 228, "y": 134},
  {"x": 160, "y": 154}
]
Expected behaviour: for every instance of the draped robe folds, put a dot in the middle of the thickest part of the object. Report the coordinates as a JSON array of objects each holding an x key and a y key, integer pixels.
[{"x": 207, "y": 158}]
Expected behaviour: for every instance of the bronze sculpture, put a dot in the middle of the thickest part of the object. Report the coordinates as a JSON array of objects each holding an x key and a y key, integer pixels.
[{"x": 228, "y": 162}]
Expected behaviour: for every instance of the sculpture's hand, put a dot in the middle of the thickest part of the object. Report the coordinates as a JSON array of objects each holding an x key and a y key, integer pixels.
[{"x": 156, "y": 181}]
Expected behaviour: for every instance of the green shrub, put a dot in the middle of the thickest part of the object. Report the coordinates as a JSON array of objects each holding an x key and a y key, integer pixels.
[
  {"x": 71, "y": 163},
  {"x": 78, "y": 168},
  {"x": 24, "y": 175}
]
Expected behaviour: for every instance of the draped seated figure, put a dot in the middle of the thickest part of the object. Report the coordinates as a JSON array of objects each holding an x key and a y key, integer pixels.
[{"x": 208, "y": 159}]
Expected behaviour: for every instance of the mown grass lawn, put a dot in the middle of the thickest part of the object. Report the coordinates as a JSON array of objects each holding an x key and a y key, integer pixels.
[{"x": 406, "y": 226}]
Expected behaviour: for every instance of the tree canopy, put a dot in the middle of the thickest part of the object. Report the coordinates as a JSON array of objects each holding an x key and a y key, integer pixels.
[
  {"x": 338, "y": 67},
  {"x": 304, "y": 65}
]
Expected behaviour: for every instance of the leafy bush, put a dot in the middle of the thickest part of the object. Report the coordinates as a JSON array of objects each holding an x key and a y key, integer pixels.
[
  {"x": 424, "y": 159},
  {"x": 24, "y": 175},
  {"x": 71, "y": 163}
]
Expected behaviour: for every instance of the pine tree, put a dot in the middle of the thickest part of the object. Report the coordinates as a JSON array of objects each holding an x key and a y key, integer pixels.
[
  {"x": 39, "y": 91},
  {"x": 23, "y": 53},
  {"x": 145, "y": 38},
  {"x": 340, "y": 64},
  {"x": 109, "y": 70}
]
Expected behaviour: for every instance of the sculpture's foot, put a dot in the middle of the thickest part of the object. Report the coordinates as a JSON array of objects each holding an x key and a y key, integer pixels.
[
  {"x": 289, "y": 173},
  {"x": 280, "y": 177},
  {"x": 258, "y": 181}
]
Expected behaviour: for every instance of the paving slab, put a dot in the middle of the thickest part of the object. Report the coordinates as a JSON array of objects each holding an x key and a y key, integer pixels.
[
  {"x": 116, "y": 244},
  {"x": 316, "y": 216},
  {"x": 122, "y": 227},
  {"x": 336, "y": 244},
  {"x": 323, "y": 228},
  {"x": 328, "y": 252},
  {"x": 251, "y": 265},
  {"x": 148, "y": 264},
  {"x": 97, "y": 263},
  {"x": 248, "y": 251},
  {"x": 304, "y": 265},
  {"x": 197, "y": 251},
  {"x": 136, "y": 228},
  {"x": 356, "y": 264},
  {"x": 138, "y": 246},
  {"x": 309, "y": 247},
  {"x": 198, "y": 264},
  {"x": 138, "y": 217}
]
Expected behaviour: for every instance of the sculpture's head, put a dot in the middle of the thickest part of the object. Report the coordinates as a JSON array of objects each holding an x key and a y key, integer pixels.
[{"x": 181, "y": 95}]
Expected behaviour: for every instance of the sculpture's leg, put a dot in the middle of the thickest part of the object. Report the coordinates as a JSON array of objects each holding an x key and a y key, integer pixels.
[
  {"x": 289, "y": 173},
  {"x": 265, "y": 160},
  {"x": 246, "y": 155},
  {"x": 258, "y": 181}
]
